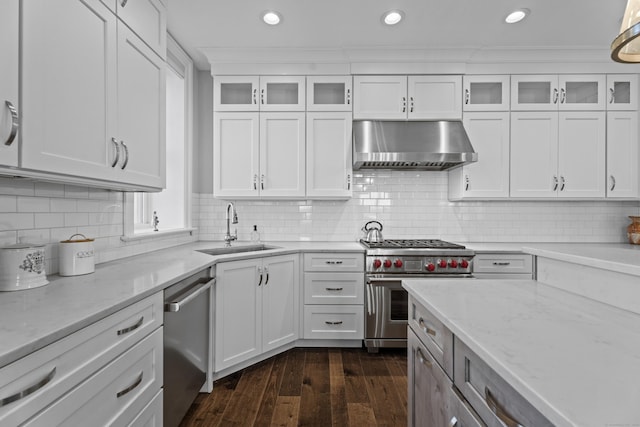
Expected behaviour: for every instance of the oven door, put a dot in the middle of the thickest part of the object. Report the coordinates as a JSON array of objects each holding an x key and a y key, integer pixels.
[{"x": 386, "y": 313}]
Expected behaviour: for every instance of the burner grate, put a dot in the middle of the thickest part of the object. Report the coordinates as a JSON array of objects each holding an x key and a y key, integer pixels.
[{"x": 412, "y": 244}]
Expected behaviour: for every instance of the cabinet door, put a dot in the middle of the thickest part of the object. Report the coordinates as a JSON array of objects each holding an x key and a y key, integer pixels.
[
  {"x": 231, "y": 93},
  {"x": 622, "y": 92},
  {"x": 429, "y": 387},
  {"x": 582, "y": 148},
  {"x": 534, "y": 92},
  {"x": 148, "y": 19},
  {"x": 486, "y": 93},
  {"x": 141, "y": 112},
  {"x": 489, "y": 176},
  {"x": 329, "y": 165},
  {"x": 9, "y": 83},
  {"x": 280, "y": 301},
  {"x": 380, "y": 97},
  {"x": 622, "y": 154},
  {"x": 238, "y": 312},
  {"x": 435, "y": 97},
  {"x": 236, "y": 155},
  {"x": 582, "y": 92},
  {"x": 534, "y": 154},
  {"x": 329, "y": 93},
  {"x": 282, "y": 93},
  {"x": 68, "y": 88},
  {"x": 282, "y": 155}
]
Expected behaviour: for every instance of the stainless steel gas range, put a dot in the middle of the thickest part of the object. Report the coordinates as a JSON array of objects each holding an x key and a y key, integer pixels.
[{"x": 390, "y": 261}]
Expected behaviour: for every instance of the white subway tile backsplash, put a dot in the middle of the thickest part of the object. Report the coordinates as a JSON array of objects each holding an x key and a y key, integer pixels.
[
  {"x": 8, "y": 203},
  {"x": 49, "y": 220},
  {"x": 16, "y": 221},
  {"x": 47, "y": 189},
  {"x": 33, "y": 204}
]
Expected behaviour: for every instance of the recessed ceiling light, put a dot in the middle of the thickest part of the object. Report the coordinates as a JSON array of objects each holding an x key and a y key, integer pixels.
[
  {"x": 271, "y": 17},
  {"x": 516, "y": 16},
  {"x": 392, "y": 17}
]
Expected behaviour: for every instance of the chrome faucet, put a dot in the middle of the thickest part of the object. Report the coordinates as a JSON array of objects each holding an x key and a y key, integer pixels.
[{"x": 233, "y": 215}]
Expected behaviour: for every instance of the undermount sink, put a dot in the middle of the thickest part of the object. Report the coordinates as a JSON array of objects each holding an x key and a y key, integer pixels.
[{"x": 237, "y": 249}]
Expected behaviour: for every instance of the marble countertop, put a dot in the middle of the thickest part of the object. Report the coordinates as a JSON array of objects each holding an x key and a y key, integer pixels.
[
  {"x": 33, "y": 318},
  {"x": 576, "y": 360}
]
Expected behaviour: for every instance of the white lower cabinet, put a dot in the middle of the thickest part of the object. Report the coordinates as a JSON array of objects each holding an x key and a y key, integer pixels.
[
  {"x": 256, "y": 308},
  {"x": 151, "y": 415},
  {"x": 334, "y": 322},
  {"x": 76, "y": 380},
  {"x": 623, "y": 155},
  {"x": 502, "y": 265}
]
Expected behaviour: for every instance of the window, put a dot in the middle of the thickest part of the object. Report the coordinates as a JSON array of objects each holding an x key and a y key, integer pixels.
[{"x": 169, "y": 210}]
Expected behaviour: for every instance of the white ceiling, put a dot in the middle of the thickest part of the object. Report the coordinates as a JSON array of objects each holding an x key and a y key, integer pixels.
[{"x": 341, "y": 24}]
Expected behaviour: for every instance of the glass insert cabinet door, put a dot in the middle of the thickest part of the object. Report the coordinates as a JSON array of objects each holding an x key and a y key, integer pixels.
[
  {"x": 259, "y": 93},
  {"x": 622, "y": 92},
  {"x": 486, "y": 93},
  {"x": 558, "y": 92},
  {"x": 329, "y": 93}
]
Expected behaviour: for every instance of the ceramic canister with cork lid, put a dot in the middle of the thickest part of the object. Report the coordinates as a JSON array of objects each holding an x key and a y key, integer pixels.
[{"x": 76, "y": 256}]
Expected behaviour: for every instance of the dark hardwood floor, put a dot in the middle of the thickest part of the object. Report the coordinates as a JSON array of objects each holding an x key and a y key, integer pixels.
[{"x": 310, "y": 387}]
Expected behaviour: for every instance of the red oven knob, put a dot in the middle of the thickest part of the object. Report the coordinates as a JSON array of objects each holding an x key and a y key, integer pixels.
[
  {"x": 377, "y": 263},
  {"x": 464, "y": 263},
  {"x": 387, "y": 263},
  {"x": 431, "y": 267},
  {"x": 453, "y": 263},
  {"x": 442, "y": 263},
  {"x": 398, "y": 263}
]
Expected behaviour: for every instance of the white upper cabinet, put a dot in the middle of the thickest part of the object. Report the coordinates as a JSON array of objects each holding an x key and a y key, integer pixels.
[
  {"x": 486, "y": 93},
  {"x": 622, "y": 92},
  {"x": 412, "y": 97},
  {"x": 259, "y": 93},
  {"x": 9, "y": 107},
  {"x": 329, "y": 164},
  {"x": 623, "y": 156},
  {"x": 577, "y": 92},
  {"x": 148, "y": 19},
  {"x": 329, "y": 93}
]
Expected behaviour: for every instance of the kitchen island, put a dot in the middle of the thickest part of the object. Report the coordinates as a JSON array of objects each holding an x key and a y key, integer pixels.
[{"x": 573, "y": 359}]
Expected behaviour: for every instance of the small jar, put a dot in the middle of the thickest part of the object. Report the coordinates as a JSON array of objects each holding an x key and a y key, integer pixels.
[{"x": 633, "y": 230}]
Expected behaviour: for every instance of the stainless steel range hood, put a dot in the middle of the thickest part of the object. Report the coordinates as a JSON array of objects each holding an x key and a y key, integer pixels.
[{"x": 424, "y": 145}]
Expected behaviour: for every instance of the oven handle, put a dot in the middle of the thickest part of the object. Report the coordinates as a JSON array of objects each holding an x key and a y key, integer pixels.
[{"x": 370, "y": 305}]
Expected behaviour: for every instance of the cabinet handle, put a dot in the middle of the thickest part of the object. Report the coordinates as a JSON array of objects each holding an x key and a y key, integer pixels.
[
  {"x": 555, "y": 96},
  {"x": 612, "y": 95},
  {"x": 348, "y": 96},
  {"x": 411, "y": 104},
  {"x": 425, "y": 328},
  {"x": 135, "y": 384},
  {"x": 466, "y": 96},
  {"x": 404, "y": 104},
  {"x": 423, "y": 359},
  {"x": 255, "y": 181},
  {"x": 262, "y": 96},
  {"x": 266, "y": 270},
  {"x": 500, "y": 412},
  {"x": 260, "y": 271},
  {"x": 123, "y": 3},
  {"x": 555, "y": 183},
  {"x": 334, "y": 289},
  {"x": 613, "y": 182},
  {"x": 333, "y": 262},
  {"x": 328, "y": 322},
  {"x": 115, "y": 161},
  {"x": 14, "y": 123},
  {"x": 132, "y": 327},
  {"x": 563, "y": 96},
  {"x": 262, "y": 182},
  {"x": 562, "y": 182},
  {"x": 348, "y": 181},
  {"x": 254, "y": 96},
  {"x": 126, "y": 155},
  {"x": 501, "y": 263},
  {"x": 453, "y": 422},
  {"x": 29, "y": 390},
  {"x": 466, "y": 183}
]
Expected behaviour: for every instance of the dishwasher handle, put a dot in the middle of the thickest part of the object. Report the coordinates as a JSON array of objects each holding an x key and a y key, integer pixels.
[{"x": 173, "y": 306}]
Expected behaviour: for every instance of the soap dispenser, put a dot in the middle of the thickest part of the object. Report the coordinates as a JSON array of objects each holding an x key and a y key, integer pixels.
[{"x": 255, "y": 234}]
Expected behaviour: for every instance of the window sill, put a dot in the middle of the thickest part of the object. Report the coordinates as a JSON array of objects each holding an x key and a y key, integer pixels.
[{"x": 154, "y": 234}]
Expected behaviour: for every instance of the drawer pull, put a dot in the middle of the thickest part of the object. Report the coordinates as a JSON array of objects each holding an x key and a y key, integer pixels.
[
  {"x": 423, "y": 359},
  {"x": 453, "y": 422},
  {"x": 425, "y": 328},
  {"x": 135, "y": 384},
  {"x": 499, "y": 411},
  {"x": 334, "y": 289},
  {"x": 29, "y": 390},
  {"x": 333, "y": 262},
  {"x": 339, "y": 322},
  {"x": 132, "y": 327},
  {"x": 501, "y": 263}
]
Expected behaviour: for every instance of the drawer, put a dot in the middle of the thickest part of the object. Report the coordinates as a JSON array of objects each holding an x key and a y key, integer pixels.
[
  {"x": 334, "y": 322},
  {"x": 433, "y": 334},
  {"x": 333, "y": 288},
  {"x": 151, "y": 415},
  {"x": 503, "y": 263},
  {"x": 115, "y": 395},
  {"x": 333, "y": 261},
  {"x": 53, "y": 370},
  {"x": 461, "y": 414},
  {"x": 488, "y": 394}
]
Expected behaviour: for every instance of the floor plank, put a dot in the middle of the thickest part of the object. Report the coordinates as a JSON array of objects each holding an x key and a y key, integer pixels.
[
  {"x": 355, "y": 387},
  {"x": 286, "y": 411},
  {"x": 387, "y": 405},
  {"x": 268, "y": 404},
  {"x": 292, "y": 381},
  {"x": 361, "y": 415},
  {"x": 315, "y": 400},
  {"x": 339, "y": 411}
]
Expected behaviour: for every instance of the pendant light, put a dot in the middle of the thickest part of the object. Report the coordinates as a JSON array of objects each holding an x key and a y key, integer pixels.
[{"x": 626, "y": 47}]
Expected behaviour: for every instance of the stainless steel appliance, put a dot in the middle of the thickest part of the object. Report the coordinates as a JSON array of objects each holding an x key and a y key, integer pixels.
[
  {"x": 390, "y": 261},
  {"x": 186, "y": 344}
]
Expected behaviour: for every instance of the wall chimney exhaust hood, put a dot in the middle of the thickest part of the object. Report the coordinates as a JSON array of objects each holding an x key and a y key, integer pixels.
[{"x": 422, "y": 145}]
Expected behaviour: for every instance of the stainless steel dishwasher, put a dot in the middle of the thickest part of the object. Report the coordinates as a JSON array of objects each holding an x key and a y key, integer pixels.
[{"x": 186, "y": 343}]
